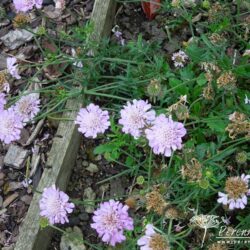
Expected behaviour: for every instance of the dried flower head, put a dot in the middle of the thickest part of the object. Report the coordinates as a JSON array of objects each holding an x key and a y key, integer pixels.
[
  {"x": 237, "y": 117},
  {"x": 12, "y": 67},
  {"x": 208, "y": 91},
  {"x": 216, "y": 12},
  {"x": 172, "y": 213},
  {"x": 155, "y": 202},
  {"x": 165, "y": 136},
  {"x": 209, "y": 67},
  {"x": 192, "y": 171},
  {"x": 205, "y": 222},
  {"x": 2, "y": 78},
  {"x": 110, "y": 221},
  {"x": 179, "y": 58},
  {"x": 241, "y": 157},
  {"x": 180, "y": 109},
  {"x": 10, "y": 126},
  {"x": 152, "y": 240},
  {"x": 216, "y": 38},
  {"x": 227, "y": 81},
  {"x": 236, "y": 189},
  {"x": 55, "y": 205},
  {"x": 92, "y": 121},
  {"x": 28, "y": 107},
  {"x": 217, "y": 246},
  {"x": 154, "y": 90},
  {"x": 20, "y": 20},
  {"x": 135, "y": 117},
  {"x": 238, "y": 126}
]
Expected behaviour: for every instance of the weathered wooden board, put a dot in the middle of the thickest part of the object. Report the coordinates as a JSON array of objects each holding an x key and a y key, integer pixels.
[{"x": 64, "y": 148}]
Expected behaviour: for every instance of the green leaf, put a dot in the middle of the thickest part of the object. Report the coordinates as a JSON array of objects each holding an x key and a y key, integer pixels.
[
  {"x": 174, "y": 83},
  {"x": 201, "y": 79},
  {"x": 217, "y": 124},
  {"x": 106, "y": 148}
]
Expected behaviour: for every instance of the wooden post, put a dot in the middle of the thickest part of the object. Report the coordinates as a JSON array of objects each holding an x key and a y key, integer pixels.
[{"x": 64, "y": 148}]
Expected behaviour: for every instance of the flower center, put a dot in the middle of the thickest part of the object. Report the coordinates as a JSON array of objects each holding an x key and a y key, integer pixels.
[
  {"x": 136, "y": 118},
  {"x": 157, "y": 242},
  {"x": 54, "y": 205},
  {"x": 236, "y": 187},
  {"x": 93, "y": 120},
  {"x": 110, "y": 221},
  {"x": 166, "y": 135}
]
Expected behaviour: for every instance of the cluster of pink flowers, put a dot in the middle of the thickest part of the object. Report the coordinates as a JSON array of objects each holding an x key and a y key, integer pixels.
[
  {"x": 55, "y": 205},
  {"x": 13, "y": 119},
  {"x": 110, "y": 221},
  {"x": 12, "y": 67},
  {"x": 27, "y": 107},
  {"x": 179, "y": 58},
  {"x": 92, "y": 121},
  {"x": 137, "y": 119},
  {"x": 26, "y": 5},
  {"x": 10, "y": 126},
  {"x": 237, "y": 190},
  {"x": 165, "y": 136}
]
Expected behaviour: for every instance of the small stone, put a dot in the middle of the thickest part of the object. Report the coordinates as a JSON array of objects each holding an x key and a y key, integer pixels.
[
  {"x": 98, "y": 157},
  {"x": 89, "y": 195},
  {"x": 9, "y": 200},
  {"x": 92, "y": 168},
  {"x": 16, "y": 157},
  {"x": 12, "y": 186},
  {"x": 16, "y": 38},
  {"x": 85, "y": 163},
  {"x": 73, "y": 240},
  {"x": 26, "y": 199},
  {"x": 2, "y": 175}
]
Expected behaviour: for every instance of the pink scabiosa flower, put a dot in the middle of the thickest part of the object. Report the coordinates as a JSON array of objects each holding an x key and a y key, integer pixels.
[
  {"x": 110, "y": 221},
  {"x": 55, "y": 205},
  {"x": 27, "y": 107},
  {"x": 179, "y": 58},
  {"x": 236, "y": 192},
  {"x": 92, "y": 121},
  {"x": 152, "y": 240},
  {"x": 10, "y": 126},
  {"x": 135, "y": 117},
  {"x": 165, "y": 136},
  {"x": 2, "y": 101},
  {"x": 12, "y": 67},
  {"x": 26, "y": 5}
]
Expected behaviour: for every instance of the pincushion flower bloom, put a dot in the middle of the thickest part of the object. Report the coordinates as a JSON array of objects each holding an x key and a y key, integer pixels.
[
  {"x": 27, "y": 107},
  {"x": 152, "y": 240},
  {"x": 179, "y": 58},
  {"x": 236, "y": 193},
  {"x": 26, "y": 5},
  {"x": 10, "y": 126},
  {"x": 110, "y": 221},
  {"x": 2, "y": 101},
  {"x": 12, "y": 67},
  {"x": 135, "y": 117},
  {"x": 55, "y": 206},
  {"x": 165, "y": 136},
  {"x": 92, "y": 120}
]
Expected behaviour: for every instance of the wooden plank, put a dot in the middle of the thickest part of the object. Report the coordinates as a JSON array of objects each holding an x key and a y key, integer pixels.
[{"x": 64, "y": 148}]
